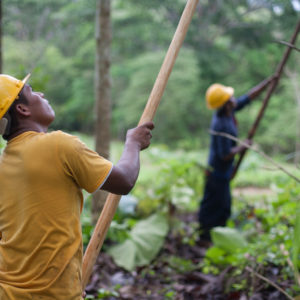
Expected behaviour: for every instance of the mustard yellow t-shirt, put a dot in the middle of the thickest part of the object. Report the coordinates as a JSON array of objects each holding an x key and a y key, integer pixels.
[{"x": 41, "y": 177}]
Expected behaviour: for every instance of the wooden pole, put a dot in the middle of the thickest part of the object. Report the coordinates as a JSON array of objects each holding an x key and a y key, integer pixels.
[
  {"x": 112, "y": 200},
  {"x": 270, "y": 90}
]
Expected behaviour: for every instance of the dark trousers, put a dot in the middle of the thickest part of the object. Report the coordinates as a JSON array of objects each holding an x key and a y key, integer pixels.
[{"x": 215, "y": 207}]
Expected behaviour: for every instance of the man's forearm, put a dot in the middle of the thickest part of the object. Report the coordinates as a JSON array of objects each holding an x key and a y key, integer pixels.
[
  {"x": 260, "y": 87},
  {"x": 129, "y": 162},
  {"x": 125, "y": 173}
]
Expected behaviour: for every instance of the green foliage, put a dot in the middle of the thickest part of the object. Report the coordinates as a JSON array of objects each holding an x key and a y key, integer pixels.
[
  {"x": 86, "y": 225},
  {"x": 256, "y": 171},
  {"x": 180, "y": 102},
  {"x": 119, "y": 230},
  {"x": 272, "y": 233},
  {"x": 228, "y": 239},
  {"x": 140, "y": 248},
  {"x": 229, "y": 42},
  {"x": 269, "y": 224},
  {"x": 2, "y": 144},
  {"x": 45, "y": 39},
  {"x": 181, "y": 265},
  {"x": 178, "y": 183},
  {"x": 103, "y": 294},
  {"x": 296, "y": 245}
]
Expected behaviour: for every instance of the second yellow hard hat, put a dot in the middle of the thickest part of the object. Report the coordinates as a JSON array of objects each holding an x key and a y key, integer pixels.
[{"x": 217, "y": 95}]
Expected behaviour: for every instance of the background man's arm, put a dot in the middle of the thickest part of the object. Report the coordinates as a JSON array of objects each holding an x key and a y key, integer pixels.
[{"x": 254, "y": 92}]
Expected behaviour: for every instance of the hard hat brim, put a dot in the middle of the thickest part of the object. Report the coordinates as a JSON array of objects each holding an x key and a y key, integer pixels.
[
  {"x": 230, "y": 91},
  {"x": 26, "y": 79}
]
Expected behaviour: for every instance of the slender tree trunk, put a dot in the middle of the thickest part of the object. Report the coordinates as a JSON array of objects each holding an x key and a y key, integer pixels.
[
  {"x": 296, "y": 86},
  {"x": 297, "y": 146},
  {"x": 293, "y": 75},
  {"x": 102, "y": 92},
  {"x": 1, "y": 23}
]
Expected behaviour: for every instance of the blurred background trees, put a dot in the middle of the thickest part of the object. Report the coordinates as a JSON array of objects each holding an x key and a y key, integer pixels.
[{"x": 231, "y": 42}]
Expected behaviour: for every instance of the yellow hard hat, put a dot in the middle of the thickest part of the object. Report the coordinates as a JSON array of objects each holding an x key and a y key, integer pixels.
[
  {"x": 10, "y": 87},
  {"x": 217, "y": 95}
]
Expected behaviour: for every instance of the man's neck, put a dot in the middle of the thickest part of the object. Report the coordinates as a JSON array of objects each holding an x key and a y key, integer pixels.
[{"x": 25, "y": 129}]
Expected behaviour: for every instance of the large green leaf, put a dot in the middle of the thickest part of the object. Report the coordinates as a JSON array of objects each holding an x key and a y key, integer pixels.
[
  {"x": 228, "y": 239},
  {"x": 145, "y": 241}
]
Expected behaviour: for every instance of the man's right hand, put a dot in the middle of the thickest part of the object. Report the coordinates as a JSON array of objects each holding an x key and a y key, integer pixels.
[
  {"x": 238, "y": 149},
  {"x": 140, "y": 135}
]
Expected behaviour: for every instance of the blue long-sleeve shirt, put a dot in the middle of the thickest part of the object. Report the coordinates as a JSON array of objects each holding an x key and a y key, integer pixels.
[{"x": 220, "y": 146}]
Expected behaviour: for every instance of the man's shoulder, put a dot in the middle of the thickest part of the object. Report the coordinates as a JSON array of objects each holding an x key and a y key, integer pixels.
[
  {"x": 60, "y": 136},
  {"x": 56, "y": 140},
  {"x": 65, "y": 141}
]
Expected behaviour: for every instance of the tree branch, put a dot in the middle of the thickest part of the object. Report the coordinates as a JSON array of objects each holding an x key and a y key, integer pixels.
[
  {"x": 288, "y": 44},
  {"x": 256, "y": 150}
]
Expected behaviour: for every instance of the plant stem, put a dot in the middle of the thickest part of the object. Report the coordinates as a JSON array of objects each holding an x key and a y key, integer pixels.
[
  {"x": 270, "y": 282},
  {"x": 289, "y": 45},
  {"x": 285, "y": 252}
]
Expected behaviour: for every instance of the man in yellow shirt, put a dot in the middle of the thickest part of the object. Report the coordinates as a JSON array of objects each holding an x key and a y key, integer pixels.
[{"x": 41, "y": 180}]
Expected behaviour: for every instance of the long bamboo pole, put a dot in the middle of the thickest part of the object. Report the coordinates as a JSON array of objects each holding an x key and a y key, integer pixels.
[
  {"x": 112, "y": 200},
  {"x": 270, "y": 90}
]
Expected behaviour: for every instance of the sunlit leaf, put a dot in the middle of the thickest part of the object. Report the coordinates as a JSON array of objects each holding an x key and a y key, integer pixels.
[
  {"x": 145, "y": 241},
  {"x": 228, "y": 239}
]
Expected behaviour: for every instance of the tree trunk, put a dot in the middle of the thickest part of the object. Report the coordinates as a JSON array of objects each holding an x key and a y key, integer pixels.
[
  {"x": 102, "y": 93},
  {"x": 1, "y": 23},
  {"x": 296, "y": 86},
  {"x": 293, "y": 75}
]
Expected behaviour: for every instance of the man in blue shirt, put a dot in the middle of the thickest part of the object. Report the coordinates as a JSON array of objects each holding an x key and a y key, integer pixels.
[{"x": 215, "y": 208}]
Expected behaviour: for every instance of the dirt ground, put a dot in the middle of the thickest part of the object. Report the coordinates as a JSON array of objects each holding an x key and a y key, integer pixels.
[{"x": 252, "y": 191}]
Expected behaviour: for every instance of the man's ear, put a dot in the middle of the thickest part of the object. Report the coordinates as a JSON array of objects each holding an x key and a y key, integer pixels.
[{"x": 23, "y": 110}]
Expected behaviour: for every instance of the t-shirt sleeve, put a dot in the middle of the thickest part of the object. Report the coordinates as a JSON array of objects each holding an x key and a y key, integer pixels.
[
  {"x": 241, "y": 102},
  {"x": 87, "y": 168}
]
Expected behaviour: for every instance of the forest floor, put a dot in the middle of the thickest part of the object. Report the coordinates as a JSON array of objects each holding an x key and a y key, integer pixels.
[{"x": 162, "y": 280}]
